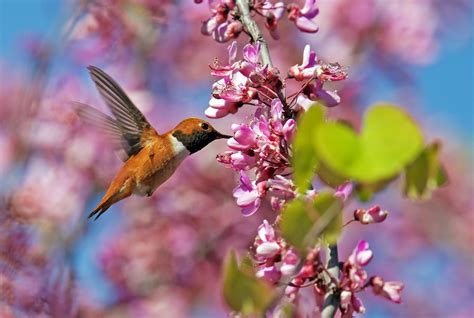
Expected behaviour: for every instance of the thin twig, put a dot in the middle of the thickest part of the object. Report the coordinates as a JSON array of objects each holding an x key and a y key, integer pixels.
[{"x": 254, "y": 31}]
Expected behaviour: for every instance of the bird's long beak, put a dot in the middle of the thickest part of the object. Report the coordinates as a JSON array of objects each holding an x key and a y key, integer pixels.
[{"x": 222, "y": 136}]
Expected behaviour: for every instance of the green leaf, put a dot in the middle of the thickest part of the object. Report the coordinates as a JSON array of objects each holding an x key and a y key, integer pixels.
[
  {"x": 425, "y": 174},
  {"x": 243, "y": 292},
  {"x": 389, "y": 141},
  {"x": 330, "y": 221},
  {"x": 304, "y": 157},
  {"x": 302, "y": 223},
  {"x": 296, "y": 221}
]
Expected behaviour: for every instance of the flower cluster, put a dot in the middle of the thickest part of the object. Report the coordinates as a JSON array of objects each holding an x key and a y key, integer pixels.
[
  {"x": 264, "y": 143},
  {"x": 275, "y": 259},
  {"x": 354, "y": 280},
  {"x": 224, "y": 23},
  {"x": 316, "y": 72}
]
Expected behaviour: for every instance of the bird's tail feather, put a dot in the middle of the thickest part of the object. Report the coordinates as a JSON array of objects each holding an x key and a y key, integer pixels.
[{"x": 108, "y": 200}]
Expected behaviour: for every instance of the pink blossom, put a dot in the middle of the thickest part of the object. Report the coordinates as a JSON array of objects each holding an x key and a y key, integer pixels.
[
  {"x": 244, "y": 138},
  {"x": 247, "y": 195},
  {"x": 266, "y": 232},
  {"x": 270, "y": 273},
  {"x": 316, "y": 92},
  {"x": 267, "y": 249},
  {"x": 390, "y": 290},
  {"x": 361, "y": 255},
  {"x": 273, "y": 14},
  {"x": 373, "y": 215},
  {"x": 289, "y": 129},
  {"x": 303, "y": 18},
  {"x": 344, "y": 191},
  {"x": 308, "y": 67},
  {"x": 290, "y": 262},
  {"x": 219, "y": 108},
  {"x": 350, "y": 303}
]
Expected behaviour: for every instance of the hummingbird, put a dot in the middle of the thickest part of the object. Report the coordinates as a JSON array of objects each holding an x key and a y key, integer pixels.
[{"x": 149, "y": 158}]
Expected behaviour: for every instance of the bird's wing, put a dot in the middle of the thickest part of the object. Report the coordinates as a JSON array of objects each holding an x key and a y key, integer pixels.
[
  {"x": 134, "y": 127},
  {"x": 107, "y": 125}
]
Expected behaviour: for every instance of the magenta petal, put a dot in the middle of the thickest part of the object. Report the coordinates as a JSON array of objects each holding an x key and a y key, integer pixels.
[
  {"x": 245, "y": 136},
  {"x": 234, "y": 144},
  {"x": 215, "y": 113},
  {"x": 231, "y": 94},
  {"x": 232, "y": 49},
  {"x": 251, "y": 208},
  {"x": 289, "y": 129},
  {"x": 267, "y": 249},
  {"x": 245, "y": 181},
  {"x": 209, "y": 26},
  {"x": 344, "y": 191},
  {"x": 246, "y": 197},
  {"x": 279, "y": 10},
  {"x": 329, "y": 98},
  {"x": 306, "y": 25},
  {"x": 308, "y": 6},
  {"x": 251, "y": 53},
  {"x": 266, "y": 232}
]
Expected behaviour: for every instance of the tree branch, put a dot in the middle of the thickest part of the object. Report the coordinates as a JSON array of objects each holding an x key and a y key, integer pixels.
[
  {"x": 254, "y": 31},
  {"x": 331, "y": 299}
]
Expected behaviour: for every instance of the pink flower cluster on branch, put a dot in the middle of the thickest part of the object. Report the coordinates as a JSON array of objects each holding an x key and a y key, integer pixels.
[
  {"x": 224, "y": 24},
  {"x": 263, "y": 145},
  {"x": 276, "y": 259},
  {"x": 354, "y": 280}
]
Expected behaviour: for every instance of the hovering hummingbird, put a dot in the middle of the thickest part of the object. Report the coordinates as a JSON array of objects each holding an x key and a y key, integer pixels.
[{"x": 150, "y": 158}]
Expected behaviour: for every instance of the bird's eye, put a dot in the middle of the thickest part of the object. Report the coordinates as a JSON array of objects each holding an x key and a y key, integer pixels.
[{"x": 205, "y": 126}]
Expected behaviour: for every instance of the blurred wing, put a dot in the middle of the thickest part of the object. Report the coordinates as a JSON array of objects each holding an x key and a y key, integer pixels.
[
  {"x": 134, "y": 127},
  {"x": 107, "y": 125}
]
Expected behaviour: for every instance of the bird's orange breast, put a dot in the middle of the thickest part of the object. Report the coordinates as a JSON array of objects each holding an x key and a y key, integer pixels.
[{"x": 155, "y": 163}]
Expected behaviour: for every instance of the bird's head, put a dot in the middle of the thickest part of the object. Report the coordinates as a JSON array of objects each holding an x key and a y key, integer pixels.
[{"x": 196, "y": 133}]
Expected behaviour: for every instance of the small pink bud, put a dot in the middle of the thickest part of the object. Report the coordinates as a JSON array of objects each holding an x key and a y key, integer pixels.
[
  {"x": 372, "y": 215},
  {"x": 289, "y": 129},
  {"x": 361, "y": 255},
  {"x": 390, "y": 290}
]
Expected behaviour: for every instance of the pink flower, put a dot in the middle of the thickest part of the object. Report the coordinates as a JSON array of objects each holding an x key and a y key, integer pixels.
[
  {"x": 372, "y": 215},
  {"x": 273, "y": 14},
  {"x": 244, "y": 138},
  {"x": 350, "y": 303},
  {"x": 390, "y": 290},
  {"x": 219, "y": 108},
  {"x": 344, "y": 191},
  {"x": 316, "y": 92},
  {"x": 266, "y": 232},
  {"x": 361, "y": 255},
  {"x": 270, "y": 273},
  {"x": 289, "y": 129},
  {"x": 303, "y": 18},
  {"x": 308, "y": 67},
  {"x": 247, "y": 195},
  {"x": 267, "y": 249},
  {"x": 290, "y": 262}
]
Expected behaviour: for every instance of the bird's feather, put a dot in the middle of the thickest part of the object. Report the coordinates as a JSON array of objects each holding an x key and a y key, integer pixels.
[{"x": 133, "y": 125}]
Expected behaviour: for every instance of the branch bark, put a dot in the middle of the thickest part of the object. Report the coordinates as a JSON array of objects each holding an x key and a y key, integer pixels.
[
  {"x": 254, "y": 31},
  {"x": 332, "y": 299}
]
